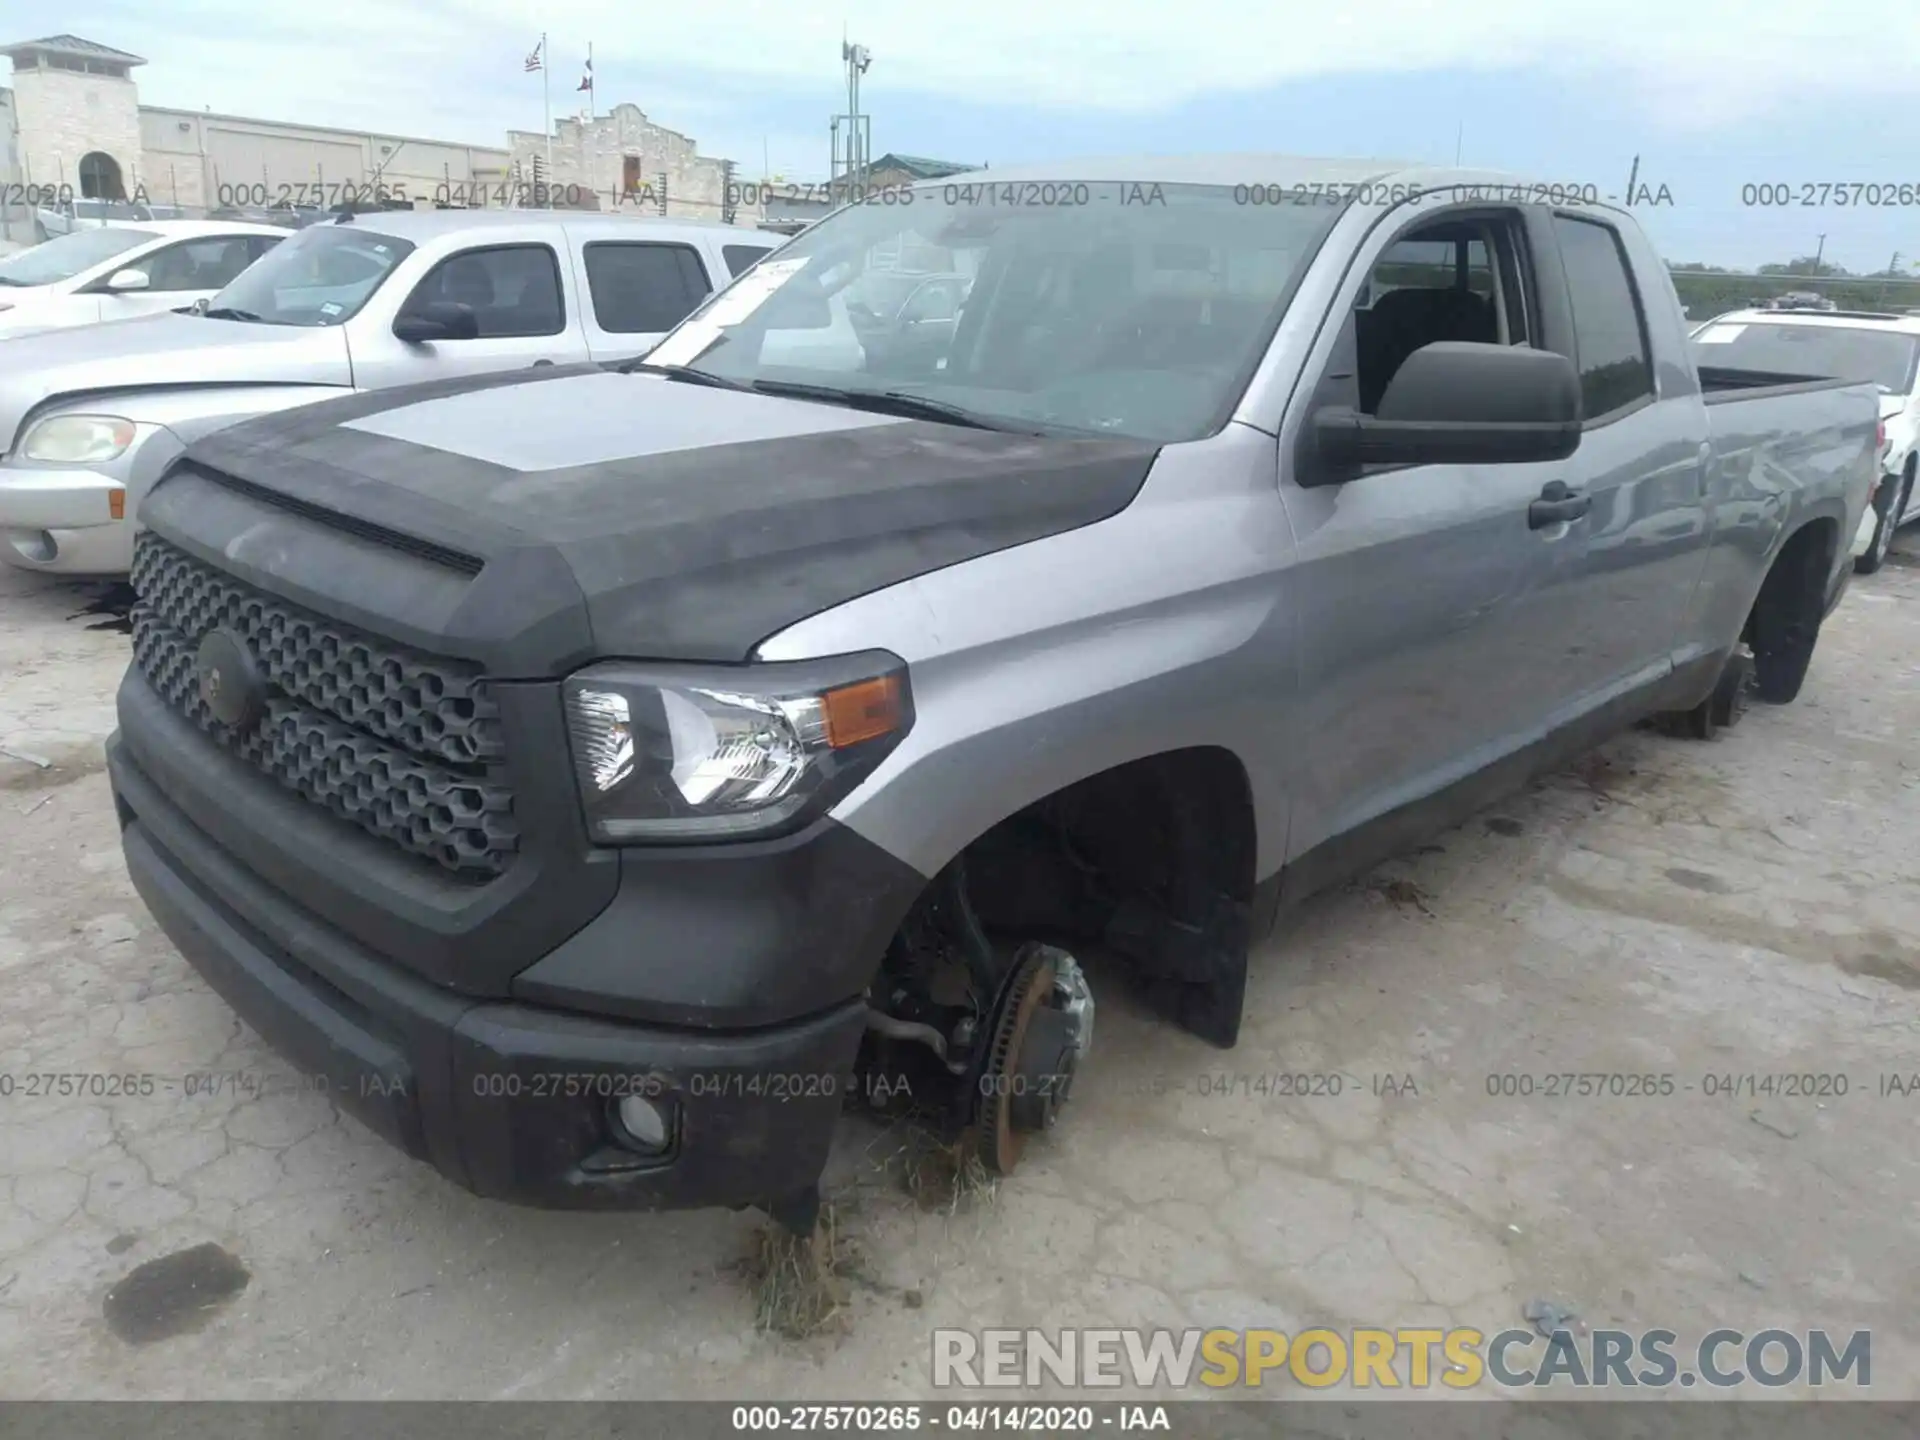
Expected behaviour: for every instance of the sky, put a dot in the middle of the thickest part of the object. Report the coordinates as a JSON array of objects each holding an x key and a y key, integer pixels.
[{"x": 1711, "y": 95}]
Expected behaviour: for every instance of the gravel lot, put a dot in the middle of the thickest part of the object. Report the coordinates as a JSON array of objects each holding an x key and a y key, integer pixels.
[{"x": 1745, "y": 906}]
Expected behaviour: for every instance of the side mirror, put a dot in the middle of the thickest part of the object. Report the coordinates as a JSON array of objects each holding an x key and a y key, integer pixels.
[
  {"x": 1459, "y": 403},
  {"x": 437, "y": 320},
  {"x": 124, "y": 280}
]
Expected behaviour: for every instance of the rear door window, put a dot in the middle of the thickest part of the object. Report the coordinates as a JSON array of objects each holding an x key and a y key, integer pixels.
[
  {"x": 642, "y": 288},
  {"x": 1616, "y": 366}
]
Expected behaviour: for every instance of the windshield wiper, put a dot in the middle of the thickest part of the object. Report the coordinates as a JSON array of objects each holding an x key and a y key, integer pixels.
[
  {"x": 684, "y": 373},
  {"x": 5, "y": 281},
  {"x": 891, "y": 402},
  {"x": 228, "y": 312}
]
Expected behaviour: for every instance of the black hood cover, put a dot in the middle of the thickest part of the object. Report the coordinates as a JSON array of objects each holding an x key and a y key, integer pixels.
[{"x": 692, "y": 522}]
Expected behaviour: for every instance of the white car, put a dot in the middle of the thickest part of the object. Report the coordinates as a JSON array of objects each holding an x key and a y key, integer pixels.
[
  {"x": 119, "y": 272},
  {"x": 1856, "y": 345}
]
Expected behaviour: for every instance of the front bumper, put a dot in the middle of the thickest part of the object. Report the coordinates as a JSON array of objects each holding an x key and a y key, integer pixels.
[
  {"x": 513, "y": 1100},
  {"x": 60, "y": 519}
]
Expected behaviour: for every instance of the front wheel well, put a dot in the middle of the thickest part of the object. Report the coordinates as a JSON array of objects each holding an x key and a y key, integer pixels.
[{"x": 1151, "y": 862}]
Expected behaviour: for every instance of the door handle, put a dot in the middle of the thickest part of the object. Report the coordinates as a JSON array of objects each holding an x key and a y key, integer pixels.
[
  {"x": 1559, "y": 502},
  {"x": 538, "y": 363}
]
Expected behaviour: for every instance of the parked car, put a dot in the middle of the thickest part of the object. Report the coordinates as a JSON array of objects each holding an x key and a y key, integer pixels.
[
  {"x": 89, "y": 418},
  {"x": 122, "y": 272},
  {"x": 600, "y": 776},
  {"x": 287, "y": 216},
  {"x": 1881, "y": 348},
  {"x": 1803, "y": 300},
  {"x": 68, "y": 216}
]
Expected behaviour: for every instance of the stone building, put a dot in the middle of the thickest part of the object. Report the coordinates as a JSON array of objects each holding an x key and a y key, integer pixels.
[
  {"x": 76, "y": 114},
  {"x": 73, "y": 121},
  {"x": 76, "y": 123},
  {"x": 622, "y": 160}
]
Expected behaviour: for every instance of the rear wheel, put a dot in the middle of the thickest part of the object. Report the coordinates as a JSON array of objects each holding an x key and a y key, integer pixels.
[{"x": 1893, "y": 506}]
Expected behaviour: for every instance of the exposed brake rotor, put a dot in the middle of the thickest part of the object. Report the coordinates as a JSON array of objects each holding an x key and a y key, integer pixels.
[{"x": 1044, "y": 1026}]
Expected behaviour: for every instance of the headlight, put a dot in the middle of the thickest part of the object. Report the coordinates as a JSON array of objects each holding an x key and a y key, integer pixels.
[
  {"x": 78, "y": 439},
  {"x": 673, "y": 752}
]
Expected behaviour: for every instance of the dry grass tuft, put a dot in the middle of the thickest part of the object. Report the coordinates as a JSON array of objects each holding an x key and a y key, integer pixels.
[
  {"x": 797, "y": 1290},
  {"x": 949, "y": 1177}
]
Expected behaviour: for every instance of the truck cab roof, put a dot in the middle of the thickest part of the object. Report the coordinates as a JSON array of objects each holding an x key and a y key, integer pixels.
[{"x": 421, "y": 226}]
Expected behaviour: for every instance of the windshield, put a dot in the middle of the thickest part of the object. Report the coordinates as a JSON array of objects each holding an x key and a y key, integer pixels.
[
  {"x": 319, "y": 276},
  {"x": 66, "y": 256},
  {"x": 1884, "y": 357},
  {"x": 1130, "y": 310}
]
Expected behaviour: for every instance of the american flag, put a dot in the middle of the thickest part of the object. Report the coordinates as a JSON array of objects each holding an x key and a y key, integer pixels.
[{"x": 533, "y": 59}]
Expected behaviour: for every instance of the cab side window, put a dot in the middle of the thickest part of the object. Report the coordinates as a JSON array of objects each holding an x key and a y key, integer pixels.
[
  {"x": 1451, "y": 280},
  {"x": 513, "y": 290},
  {"x": 196, "y": 264},
  {"x": 1616, "y": 368}
]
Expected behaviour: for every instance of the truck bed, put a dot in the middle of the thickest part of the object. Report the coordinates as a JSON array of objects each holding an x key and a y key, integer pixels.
[{"x": 1719, "y": 384}]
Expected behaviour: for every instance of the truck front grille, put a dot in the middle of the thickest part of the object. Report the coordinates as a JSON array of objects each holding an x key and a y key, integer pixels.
[{"x": 406, "y": 746}]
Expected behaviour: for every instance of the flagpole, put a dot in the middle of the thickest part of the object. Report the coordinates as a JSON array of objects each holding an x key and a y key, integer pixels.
[{"x": 546, "y": 108}]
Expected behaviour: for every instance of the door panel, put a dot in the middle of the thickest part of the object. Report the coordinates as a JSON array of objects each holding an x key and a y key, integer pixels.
[
  {"x": 1642, "y": 460},
  {"x": 1423, "y": 604},
  {"x": 521, "y": 309},
  {"x": 1428, "y": 615}
]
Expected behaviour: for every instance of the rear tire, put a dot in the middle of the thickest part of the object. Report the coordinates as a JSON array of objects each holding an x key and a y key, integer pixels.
[
  {"x": 1725, "y": 707},
  {"x": 1785, "y": 624},
  {"x": 1897, "y": 494}
]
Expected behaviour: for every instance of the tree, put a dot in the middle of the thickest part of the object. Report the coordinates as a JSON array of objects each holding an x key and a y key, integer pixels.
[
  {"x": 1709, "y": 290},
  {"x": 1804, "y": 265}
]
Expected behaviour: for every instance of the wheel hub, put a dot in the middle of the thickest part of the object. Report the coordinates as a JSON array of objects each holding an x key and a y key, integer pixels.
[{"x": 1044, "y": 1028}]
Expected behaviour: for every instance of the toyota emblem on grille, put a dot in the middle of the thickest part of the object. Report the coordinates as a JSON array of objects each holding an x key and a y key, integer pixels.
[{"x": 230, "y": 682}]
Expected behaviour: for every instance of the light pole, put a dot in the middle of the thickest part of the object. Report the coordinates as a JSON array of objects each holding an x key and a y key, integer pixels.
[
  {"x": 859, "y": 131},
  {"x": 1818, "y": 252}
]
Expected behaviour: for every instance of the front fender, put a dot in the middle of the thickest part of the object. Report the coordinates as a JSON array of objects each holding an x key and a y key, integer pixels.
[{"x": 1165, "y": 627}]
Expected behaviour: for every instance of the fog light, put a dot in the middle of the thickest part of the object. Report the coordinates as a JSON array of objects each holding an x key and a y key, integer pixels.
[{"x": 644, "y": 1122}]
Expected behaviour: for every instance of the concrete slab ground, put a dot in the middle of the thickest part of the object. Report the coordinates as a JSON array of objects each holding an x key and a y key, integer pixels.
[{"x": 1707, "y": 912}]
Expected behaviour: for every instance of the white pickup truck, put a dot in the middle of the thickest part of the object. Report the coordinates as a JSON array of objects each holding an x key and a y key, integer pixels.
[{"x": 89, "y": 417}]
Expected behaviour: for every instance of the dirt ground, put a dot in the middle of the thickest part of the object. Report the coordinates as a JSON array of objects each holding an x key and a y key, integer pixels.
[{"x": 1744, "y": 907}]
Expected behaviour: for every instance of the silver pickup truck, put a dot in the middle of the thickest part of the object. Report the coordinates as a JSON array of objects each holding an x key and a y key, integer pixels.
[
  {"x": 89, "y": 417},
  {"x": 600, "y": 775}
]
